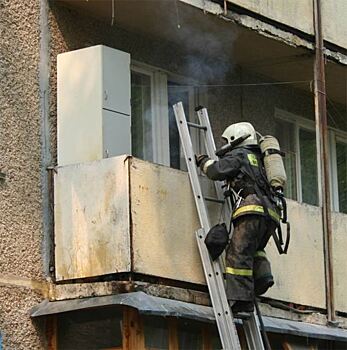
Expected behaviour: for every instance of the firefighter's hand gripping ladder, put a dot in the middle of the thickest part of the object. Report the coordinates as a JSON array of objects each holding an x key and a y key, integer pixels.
[{"x": 213, "y": 269}]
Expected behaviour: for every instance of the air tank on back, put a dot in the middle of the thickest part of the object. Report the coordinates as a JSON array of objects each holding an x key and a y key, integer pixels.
[{"x": 273, "y": 162}]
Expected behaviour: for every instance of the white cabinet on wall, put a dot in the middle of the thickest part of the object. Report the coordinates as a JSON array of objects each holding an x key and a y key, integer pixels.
[{"x": 94, "y": 114}]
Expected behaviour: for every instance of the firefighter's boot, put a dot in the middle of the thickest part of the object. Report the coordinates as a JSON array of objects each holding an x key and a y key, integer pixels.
[{"x": 263, "y": 279}]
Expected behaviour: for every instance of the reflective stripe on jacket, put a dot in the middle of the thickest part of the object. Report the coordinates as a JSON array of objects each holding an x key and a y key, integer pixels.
[{"x": 255, "y": 209}]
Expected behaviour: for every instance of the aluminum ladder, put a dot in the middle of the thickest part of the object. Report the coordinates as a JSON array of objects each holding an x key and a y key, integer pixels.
[{"x": 213, "y": 269}]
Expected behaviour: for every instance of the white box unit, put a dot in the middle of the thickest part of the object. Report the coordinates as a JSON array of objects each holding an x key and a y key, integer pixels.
[{"x": 94, "y": 113}]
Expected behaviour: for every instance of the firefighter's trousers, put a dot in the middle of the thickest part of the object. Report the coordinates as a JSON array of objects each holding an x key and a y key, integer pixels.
[{"x": 251, "y": 234}]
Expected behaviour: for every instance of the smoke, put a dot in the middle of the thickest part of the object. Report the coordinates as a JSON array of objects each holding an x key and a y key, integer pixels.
[
  {"x": 206, "y": 43},
  {"x": 207, "y": 70}
]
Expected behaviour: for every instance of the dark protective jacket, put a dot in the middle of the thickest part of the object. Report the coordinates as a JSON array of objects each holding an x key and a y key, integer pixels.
[{"x": 243, "y": 169}]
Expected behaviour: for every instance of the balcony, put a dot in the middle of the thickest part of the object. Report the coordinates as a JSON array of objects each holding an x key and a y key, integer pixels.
[{"x": 125, "y": 215}]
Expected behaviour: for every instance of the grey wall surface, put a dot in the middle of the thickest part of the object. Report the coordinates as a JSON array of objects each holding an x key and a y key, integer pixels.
[{"x": 20, "y": 156}]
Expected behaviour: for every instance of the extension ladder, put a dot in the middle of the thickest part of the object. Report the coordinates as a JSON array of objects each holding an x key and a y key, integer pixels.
[{"x": 213, "y": 269}]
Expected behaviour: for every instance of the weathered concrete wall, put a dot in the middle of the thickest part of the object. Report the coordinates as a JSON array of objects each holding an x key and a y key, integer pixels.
[
  {"x": 339, "y": 260},
  {"x": 92, "y": 219},
  {"x": 299, "y": 275},
  {"x": 20, "y": 155},
  {"x": 298, "y": 14},
  {"x": 334, "y": 21}
]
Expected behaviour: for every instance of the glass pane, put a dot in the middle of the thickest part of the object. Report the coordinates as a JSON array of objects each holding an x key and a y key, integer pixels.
[
  {"x": 89, "y": 329},
  {"x": 285, "y": 134},
  {"x": 308, "y": 162},
  {"x": 341, "y": 160},
  {"x": 141, "y": 116},
  {"x": 156, "y": 333},
  {"x": 215, "y": 340},
  {"x": 189, "y": 335},
  {"x": 176, "y": 93}
]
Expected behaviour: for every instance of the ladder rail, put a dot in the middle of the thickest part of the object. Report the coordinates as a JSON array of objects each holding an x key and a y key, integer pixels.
[
  {"x": 252, "y": 332},
  {"x": 210, "y": 147},
  {"x": 212, "y": 270},
  {"x": 224, "y": 319},
  {"x": 251, "y": 326}
]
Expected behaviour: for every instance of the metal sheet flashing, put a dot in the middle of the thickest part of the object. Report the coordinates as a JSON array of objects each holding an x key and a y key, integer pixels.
[{"x": 157, "y": 306}]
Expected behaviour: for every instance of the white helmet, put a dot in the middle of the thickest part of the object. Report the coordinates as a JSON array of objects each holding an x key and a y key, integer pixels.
[{"x": 234, "y": 131}]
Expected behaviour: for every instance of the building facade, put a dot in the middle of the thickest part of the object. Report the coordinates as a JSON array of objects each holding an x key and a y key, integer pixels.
[{"x": 97, "y": 217}]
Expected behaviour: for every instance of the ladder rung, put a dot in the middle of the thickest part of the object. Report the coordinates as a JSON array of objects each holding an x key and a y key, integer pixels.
[
  {"x": 216, "y": 200},
  {"x": 198, "y": 126}
]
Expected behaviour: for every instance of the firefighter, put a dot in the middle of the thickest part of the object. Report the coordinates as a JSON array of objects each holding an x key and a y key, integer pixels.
[{"x": 255, "y": 215}]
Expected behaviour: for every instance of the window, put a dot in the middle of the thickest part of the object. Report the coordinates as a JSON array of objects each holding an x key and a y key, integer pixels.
[
  {"x": 90, "y": 329},
  {"x": 156, "y": 332},
  {"x": 154, "y": 132},
  {"x": 141, "y": 115},
  {"x": 189, "y": 335},
  {"x": 308, "y": 166},
  {"x": 185, "y": 94},
  {"x": 298, "y": 140},
  {"x": 341, "y": 163},
  {"x": 149, "y": 129},
  {"x": 338, "y": 145},
  {"x": 176, "y": 333},
  {"x": 286, "y": 140}
]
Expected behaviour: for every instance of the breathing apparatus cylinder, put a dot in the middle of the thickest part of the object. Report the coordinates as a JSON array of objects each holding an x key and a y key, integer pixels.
[{"x": 273, "y": 162}]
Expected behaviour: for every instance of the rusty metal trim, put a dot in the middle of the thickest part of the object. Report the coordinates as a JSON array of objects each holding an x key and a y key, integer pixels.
[{"x": 322, "y": 143}]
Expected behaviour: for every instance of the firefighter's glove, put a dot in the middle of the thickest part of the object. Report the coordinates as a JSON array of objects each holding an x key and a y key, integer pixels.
[{"x": 200, "y": 159}]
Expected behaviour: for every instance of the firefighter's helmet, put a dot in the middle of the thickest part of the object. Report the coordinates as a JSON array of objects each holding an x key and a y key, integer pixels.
[{"x": 237, "y": 130}]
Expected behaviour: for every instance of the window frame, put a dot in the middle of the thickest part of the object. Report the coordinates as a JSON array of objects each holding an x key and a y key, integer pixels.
[
  {"x": 334, "y": 136},
  {"x": 160, "y": 112},
  {"x": 188, "y": 84},
  {"x": 160, "y": 123},
  {"x": 298, "y": 123},
  {"x": 149, "y": 73}
]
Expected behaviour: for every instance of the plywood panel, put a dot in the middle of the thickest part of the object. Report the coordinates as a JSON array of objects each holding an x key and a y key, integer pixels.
[
  {"x": 92, "y": 219},
  {"x": 299, "y": 275}
]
